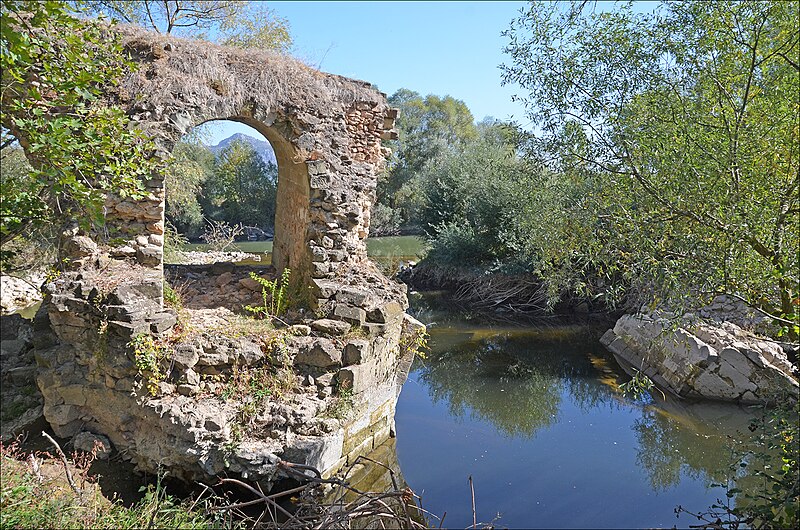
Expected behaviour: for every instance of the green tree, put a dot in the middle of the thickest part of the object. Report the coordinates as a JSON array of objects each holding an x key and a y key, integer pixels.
[
  {"x": 243, "y": 187},
  {"x": 685, "y": 120},
  {"x": 191, "y": 166},
  {"x": 427, "y": 127},
  {"x": 54, "y": 69},
  {"x": 232, "y": 22}
]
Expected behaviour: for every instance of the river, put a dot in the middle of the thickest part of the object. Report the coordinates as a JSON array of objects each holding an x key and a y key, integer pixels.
[{"x": 534, "y": 414}]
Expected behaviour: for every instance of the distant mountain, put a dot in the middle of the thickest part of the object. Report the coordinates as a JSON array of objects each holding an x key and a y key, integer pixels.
[{"x": 262, "y": 147}]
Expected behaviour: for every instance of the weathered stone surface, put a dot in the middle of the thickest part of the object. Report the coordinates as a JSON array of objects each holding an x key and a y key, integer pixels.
[
  {"x": 161, "y": 322},
  {"x": 300, "y": 330},
  {"x": 356, "y": 351},
  {"x": 320, "y": 352},
  {"x": 348, "y": 313},
  {"x": 359, "y": 377},
  {"x": 185, "y": 356},
  {"x": 16, "y": 293},
  {"x": 330, "y": 327},
  {"x": 700, "y": 360},
  {"x": 93, "y": 443},
  {"x": 385, "y": 312}
]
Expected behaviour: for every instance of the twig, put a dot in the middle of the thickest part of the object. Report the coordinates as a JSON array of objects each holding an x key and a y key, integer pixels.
[
  {"x": 472, "y": 489},
  {"x": 262, "y": 498},
  {"x": 35, "y": 467},
  {"x": 63, "y": 461}
]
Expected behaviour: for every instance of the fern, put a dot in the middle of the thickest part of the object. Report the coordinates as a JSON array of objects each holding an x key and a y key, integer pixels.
[{"x": 273, "y": 295}]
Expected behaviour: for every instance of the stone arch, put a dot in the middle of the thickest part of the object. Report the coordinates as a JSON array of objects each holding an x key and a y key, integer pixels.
[
  {"x": 96, "y": 322},
  {"x": 293, "y": 200},
  {"x": 326, "y": 131}
]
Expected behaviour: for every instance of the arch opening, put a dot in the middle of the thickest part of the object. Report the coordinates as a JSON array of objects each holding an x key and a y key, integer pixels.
[{"x": 236, "y": 202}]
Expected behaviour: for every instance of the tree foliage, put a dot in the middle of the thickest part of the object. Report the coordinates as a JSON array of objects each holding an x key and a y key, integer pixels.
[
  {"x": 191, "y": 166},
  {"x": 54, "y": 69},
  {"x": 684, "y": 121},
  {"x": 427, "y": 127},
  {"x": 244, "y": 186},
  {"x": 232, "y": 22}
]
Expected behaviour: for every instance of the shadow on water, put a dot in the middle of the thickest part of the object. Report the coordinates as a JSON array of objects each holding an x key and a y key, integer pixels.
[{"x": 535, "y": 415}]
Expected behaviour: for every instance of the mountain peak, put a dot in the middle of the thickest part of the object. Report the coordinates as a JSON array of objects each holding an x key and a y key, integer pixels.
[{"x": 262, "y": 147}]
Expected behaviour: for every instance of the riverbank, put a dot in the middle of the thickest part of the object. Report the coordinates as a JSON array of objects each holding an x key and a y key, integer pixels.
[{"x": 509, "y": 296}]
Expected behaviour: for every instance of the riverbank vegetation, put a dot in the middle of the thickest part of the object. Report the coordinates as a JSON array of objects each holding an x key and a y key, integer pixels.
[
  {"x": 663, "y": 167},
  {"x": 38, "y": 491}
]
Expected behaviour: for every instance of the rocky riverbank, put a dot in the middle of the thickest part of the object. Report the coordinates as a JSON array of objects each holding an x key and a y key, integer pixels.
[
  {"x": 17, "y": 292},
  {"x": 719, "y": 356}
]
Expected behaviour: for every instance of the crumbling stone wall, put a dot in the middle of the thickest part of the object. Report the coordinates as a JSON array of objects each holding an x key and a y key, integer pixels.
[{"x": 326, "y": 132}]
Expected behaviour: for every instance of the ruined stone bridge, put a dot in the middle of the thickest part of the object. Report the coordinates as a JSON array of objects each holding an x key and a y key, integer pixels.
[{"x": 169, "y": 389}]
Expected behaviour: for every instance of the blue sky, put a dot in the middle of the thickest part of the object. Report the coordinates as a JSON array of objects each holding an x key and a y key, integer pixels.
[{"x": 442, "y": 48}]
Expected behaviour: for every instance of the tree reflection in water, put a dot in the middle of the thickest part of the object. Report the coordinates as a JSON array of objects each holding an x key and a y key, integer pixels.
[
  {"x": 517, "y": 379},
  {"x": 513, "y": 379}
]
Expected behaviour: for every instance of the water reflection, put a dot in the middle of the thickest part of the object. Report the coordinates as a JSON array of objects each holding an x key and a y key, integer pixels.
[
  {"x": 562, "y": 446},
  {"x": 513, "y": 379}
]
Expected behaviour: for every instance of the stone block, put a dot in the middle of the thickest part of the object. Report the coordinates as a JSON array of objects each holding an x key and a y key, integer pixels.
[
  {"x": 188, "y": 390},
  {"x": 325, "y": 288},
  {"x": 90, "y": 442},
  {"x": 191, "y": 377},
  {"x": 150, "y": 255},
  {"x": 128, "y": 330},
  {"x": 359, "y": 377},
  {"x": 348, "y": 313},
  {"x": 357, "y": 351},
  {"x": 330, "y": 327},
  {"x": 223, "y": 279},
  {"x": 248, "y": 352},
  {"x": 384, "y": 313},
  {"x": 61, "y": 414},
  {"x": 325, "y": 380},
  {"x": 300, "y": 330},
  {"x": 250, "y": 284},
  {"x": 351, "y": 296},
  {"x": 161, "y": 322},
  {"x": 319, "y": 254},
  {"x": 138, "y": 295},
  {"x": 185, "y": 356},
  {"x": 321, "y": 352}
]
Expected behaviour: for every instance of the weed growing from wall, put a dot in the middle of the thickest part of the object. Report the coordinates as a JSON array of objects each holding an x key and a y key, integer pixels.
[
  {"x": 148, "y": 355},
  {"x": 273, "y": 295},
  {"x": 415, "y": 342},
  {"x": 344, "y": 403}
]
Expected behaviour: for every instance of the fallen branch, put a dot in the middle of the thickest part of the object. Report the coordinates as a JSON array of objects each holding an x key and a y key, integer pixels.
[{"x": 63, "y": 461}]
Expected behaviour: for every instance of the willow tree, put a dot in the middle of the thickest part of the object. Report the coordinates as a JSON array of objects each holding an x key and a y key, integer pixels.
[{"x": 686, "y": 119}]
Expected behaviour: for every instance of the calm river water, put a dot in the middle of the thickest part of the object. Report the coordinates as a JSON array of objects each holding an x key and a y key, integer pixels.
[{"x": 535, "y": 416}]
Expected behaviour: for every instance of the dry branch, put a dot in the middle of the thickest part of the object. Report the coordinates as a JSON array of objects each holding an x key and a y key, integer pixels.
[{"x": 64, "y": 462}]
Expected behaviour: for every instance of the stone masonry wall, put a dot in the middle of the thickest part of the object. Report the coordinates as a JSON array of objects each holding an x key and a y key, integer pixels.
[{"x": 170, "y": 392}]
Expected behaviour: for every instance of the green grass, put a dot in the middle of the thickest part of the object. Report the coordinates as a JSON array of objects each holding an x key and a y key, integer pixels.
[{"x": 27, "y": 501}]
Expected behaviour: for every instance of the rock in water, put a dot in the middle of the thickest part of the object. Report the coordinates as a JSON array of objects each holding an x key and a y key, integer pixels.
[{"x": 690, "y": 358}]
